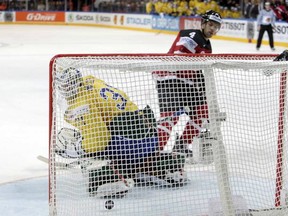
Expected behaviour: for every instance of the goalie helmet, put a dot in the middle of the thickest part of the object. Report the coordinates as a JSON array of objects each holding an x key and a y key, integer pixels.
[
  {"x": 67, "y": 81},
  {"x": 211, "y": 15}
]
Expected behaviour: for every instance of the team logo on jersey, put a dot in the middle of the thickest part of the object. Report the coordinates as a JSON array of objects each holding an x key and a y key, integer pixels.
[{"x": 188, "y": 43}]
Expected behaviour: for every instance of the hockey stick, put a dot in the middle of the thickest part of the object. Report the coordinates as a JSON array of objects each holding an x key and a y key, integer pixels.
[
  {"x": 178, "y": 113},
  {"x": 61, "y": 165}
]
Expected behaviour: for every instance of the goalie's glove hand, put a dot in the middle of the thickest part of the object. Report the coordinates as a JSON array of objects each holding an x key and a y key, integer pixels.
[
  {"x": 68, "y": 143},
  {"x": 282, "y": 57}
]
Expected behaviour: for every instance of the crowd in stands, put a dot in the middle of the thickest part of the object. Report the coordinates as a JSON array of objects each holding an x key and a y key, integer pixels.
[
  {"x": 31, "y": 5},
  {"x": 230, "y": 8},
  {"x": 252, "y": 7},
  {"x": 227, "y": 8}
]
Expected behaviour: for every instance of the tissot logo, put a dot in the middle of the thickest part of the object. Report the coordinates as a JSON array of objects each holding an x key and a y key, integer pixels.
[
  {"x": 233, "y": 26},
  {"x": 281, "y": 29}
]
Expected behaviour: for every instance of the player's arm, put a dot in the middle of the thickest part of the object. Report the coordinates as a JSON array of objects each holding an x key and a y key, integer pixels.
[
  {"x": 184, "y": 43},
  {"x": 173, "y": 47}
]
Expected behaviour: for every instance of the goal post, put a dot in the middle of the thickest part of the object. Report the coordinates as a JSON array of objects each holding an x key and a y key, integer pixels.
[{"x": 247, "y": 126}]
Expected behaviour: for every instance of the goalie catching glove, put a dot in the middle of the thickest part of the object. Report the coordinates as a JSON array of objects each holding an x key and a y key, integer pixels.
[
  {"x": 68, "y": 144},
  {"x": 282, "y": 57}
]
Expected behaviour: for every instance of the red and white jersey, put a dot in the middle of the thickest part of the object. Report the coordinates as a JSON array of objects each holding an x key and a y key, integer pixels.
[{"x": 190, "y": 41}]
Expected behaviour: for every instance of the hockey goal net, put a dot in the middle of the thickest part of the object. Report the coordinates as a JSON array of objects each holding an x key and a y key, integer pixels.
[{"x": 247, "y": 116}]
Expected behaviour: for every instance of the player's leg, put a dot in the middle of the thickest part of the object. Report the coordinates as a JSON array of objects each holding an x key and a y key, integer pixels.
[
  {"x": 137, "y": 155},
  {"x": 189, "y": 88},
  {"x": 163, "y": 169},
  {"x": 260, "y": 36},
  {"x": 196, "y": 124},
  {"x": 270, "y": 36},
  {"x": 165, "y": 125},
  {"x": 108, "y": 181},
  {"x": 175, "y": 91}
]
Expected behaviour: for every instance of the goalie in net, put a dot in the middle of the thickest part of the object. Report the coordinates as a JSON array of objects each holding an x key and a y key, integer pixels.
[
  {"x": 187, "y": 88},
  {"x": 106, "y": 124}
]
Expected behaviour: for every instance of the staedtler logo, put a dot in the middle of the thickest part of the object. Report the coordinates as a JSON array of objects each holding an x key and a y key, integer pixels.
[{"x": 40, "y": 17}]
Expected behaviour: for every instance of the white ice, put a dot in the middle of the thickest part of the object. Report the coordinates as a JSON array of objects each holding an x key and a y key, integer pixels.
[{"x": 25, "y": 52}]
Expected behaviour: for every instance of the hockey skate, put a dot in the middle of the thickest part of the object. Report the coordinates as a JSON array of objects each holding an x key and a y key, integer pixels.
[
  {"x": 203, "y": 149},
  {"x": 175, "y": 179},
  {"x": 200, "y": 151},
  {"x": 108, "y": 183},
  {"x": 181, "y": 147},
  {"x": 164, "y": 170}
]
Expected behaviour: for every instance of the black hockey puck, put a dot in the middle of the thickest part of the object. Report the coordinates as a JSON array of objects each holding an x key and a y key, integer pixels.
[{"x": 109, "y": 204}]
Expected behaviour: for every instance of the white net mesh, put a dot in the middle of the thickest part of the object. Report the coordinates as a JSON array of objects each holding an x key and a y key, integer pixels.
[{"x": 224, "y": 115}]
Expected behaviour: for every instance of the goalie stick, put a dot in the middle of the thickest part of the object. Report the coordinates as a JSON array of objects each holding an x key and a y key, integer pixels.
[
  {"x": 129, "y": 183},
  {"x": 61, "y": 165}
]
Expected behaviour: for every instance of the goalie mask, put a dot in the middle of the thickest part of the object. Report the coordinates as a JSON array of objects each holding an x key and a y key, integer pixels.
[
  {"x": 67, "y": 82},
  {"x": 214, "y": 20}
]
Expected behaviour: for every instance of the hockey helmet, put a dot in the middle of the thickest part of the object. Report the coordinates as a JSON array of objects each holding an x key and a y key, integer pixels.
[
  {"x": 211, "y": 15},
  {"x": 67, "y": 81}
]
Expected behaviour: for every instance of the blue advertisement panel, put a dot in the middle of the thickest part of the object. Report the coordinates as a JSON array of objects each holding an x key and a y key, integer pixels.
[{"x": 165, "y": 23}]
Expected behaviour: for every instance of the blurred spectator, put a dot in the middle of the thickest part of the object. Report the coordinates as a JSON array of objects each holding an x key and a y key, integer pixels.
[
  {"x": 235, "y": 13},
  {"x": 280, "y": 9},
  {"x": 255, "y": 9},
  {"x": 225, "y": 13},
  {"x": 31, "y": 5},
  {"x": 150, "y": 9},
  {"x": 13, "y": 6},
  {"x": 3, "y": 5},
  {"x": 247, "y": 8},
  {"x": 227, "y": 8},
  {"x": 215, "y": 6},
  {"x": 41, "y": 6},
  {"x": 183, "y": 9}
]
